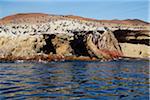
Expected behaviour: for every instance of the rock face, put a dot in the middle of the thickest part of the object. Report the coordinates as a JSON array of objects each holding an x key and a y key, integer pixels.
[
  {"x": 62, "y": 45},
  {"x": 134, "y": 43},
  {"x": 26, "y": 35},
  {"x": 104, "y": 45},
  {"x": 135, "y": 50},
  {"x": 21, "y": 46}
]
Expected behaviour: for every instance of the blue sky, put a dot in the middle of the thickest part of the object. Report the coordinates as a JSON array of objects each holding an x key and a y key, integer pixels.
[{"x": 98, "y": 9}]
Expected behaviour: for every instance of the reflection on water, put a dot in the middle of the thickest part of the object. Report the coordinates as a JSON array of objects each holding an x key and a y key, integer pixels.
[{"x": 74, "y": 80}]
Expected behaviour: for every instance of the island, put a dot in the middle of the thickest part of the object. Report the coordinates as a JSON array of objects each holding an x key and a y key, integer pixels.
[{"x": 44, "y": 37}]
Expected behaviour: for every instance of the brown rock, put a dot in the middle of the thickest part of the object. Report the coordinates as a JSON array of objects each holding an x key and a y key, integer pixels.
[
  {"x": 62, "y": 45},
  {"x": 106, "y": 47}
]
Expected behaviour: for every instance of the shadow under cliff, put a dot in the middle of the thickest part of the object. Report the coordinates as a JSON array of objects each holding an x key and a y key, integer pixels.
[
  {"x": 79, "y": 46},
  {"x": 49, "y": 47},
  {"x": 124, "y": 35}
]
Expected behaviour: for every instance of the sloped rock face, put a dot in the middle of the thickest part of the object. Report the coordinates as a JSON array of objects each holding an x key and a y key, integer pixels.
[{"x": 104, "y": 46}]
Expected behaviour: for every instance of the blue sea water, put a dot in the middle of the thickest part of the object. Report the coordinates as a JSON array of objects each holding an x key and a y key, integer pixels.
[{"x": 75, "y": 80}]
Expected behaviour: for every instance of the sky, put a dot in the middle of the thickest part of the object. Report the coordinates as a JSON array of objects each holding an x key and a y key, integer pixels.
[{"x": 97, "y": 9}]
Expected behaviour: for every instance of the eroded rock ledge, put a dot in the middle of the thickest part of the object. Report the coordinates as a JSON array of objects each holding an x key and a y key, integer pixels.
[{"x": 87, "y": 45}]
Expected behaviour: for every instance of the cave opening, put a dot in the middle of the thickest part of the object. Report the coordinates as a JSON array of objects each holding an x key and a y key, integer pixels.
[
  {"x": 79, "y": 46},
  {"x": 49, "y": 47}
]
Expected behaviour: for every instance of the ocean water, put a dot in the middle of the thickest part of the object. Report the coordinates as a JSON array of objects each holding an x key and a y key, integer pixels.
[{"x": 126, "y": 79}]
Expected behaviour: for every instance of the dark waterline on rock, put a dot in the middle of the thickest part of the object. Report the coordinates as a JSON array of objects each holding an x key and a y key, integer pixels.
[{"x": 115, "y": 80}]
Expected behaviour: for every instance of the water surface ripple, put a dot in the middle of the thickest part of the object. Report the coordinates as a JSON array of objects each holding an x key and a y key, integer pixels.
[{"x": 75, "y": 80}]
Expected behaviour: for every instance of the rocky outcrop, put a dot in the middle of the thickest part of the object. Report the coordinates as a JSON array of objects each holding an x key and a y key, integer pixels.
[
  {"x": 21, "y": 46},
  {"x": 104, "y": 45},
  {"x": 30, "y": 35},
  {"x": 93, "y": 45}
]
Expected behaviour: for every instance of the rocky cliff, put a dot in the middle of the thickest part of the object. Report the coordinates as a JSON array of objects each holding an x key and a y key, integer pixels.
[{"x": 26, "y": 36}]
